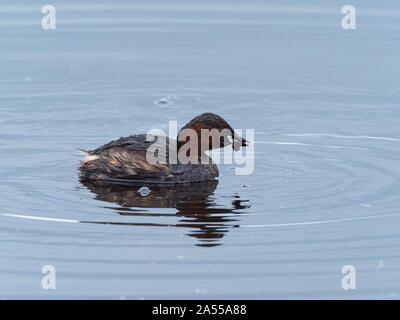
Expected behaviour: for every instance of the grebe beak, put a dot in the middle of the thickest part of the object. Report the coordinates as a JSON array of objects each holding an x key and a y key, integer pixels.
[
  {"x": 238, "y": 142},
  {"x": 245, "y": 143}
]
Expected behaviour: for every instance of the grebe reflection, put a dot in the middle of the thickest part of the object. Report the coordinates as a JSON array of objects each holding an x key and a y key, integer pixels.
[{"x": 195, "y": 204}]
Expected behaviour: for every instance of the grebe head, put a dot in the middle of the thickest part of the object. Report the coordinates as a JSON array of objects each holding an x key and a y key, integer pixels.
[{"x": 212, "y": 132}]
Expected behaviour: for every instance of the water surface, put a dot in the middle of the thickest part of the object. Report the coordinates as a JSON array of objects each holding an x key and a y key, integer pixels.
[{"x": 325, "y": 189}]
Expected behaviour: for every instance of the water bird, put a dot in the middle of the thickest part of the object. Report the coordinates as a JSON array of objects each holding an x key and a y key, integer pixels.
[{"x": 125, "y": 159}]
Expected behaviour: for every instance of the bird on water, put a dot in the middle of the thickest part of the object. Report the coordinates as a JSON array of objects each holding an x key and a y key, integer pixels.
[{"x": 125, "y": 160}]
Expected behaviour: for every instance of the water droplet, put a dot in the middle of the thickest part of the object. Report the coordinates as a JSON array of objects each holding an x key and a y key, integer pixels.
[
  {"x": 162, "y": 101},
  {"x": 144, "y": 191}
]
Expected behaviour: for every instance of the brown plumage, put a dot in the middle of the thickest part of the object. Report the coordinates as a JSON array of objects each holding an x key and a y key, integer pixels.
[{"x": 125, "y": 158}]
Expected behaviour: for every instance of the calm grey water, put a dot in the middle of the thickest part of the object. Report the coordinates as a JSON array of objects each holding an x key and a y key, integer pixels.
[{"x": 325, "y": 189}]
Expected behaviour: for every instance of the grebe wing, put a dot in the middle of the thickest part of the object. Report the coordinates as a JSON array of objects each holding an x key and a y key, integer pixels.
[{"x": 138, "y": 142}]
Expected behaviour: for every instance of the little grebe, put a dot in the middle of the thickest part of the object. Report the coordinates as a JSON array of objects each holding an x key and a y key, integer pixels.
[{"x": 124, "y": 160}]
